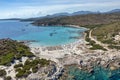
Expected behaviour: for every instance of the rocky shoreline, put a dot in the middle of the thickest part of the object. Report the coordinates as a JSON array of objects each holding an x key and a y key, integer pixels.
[{"x": 79, "y": 54}]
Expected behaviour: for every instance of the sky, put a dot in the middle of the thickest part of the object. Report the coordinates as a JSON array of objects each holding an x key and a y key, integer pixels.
[{"x": 37, "y": 8}]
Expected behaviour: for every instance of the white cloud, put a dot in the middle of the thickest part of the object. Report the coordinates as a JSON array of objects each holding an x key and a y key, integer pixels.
[{"x": 34, "y": 11}]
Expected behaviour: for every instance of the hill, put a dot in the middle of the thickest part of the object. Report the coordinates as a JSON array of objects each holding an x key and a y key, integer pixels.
[
  {"x": 11, "y": 50},
  {"x": 106, "y": 25},
  {"x": 81, "y": 20}
]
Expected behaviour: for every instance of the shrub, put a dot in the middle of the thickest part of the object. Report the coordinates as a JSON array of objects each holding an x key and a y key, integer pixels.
[
  {"x": 26, "y": 73},
  {"x": 29, "y": 54},
  {"x": 7, "y": 59},
  {"x": 27, "y": 62},
  {"x": 35, "y": 69},
  {"x": 2, "y": 72},
  {"x": 8, "y": 78},
  {"x": 92, "y": 42},
  {"x": 44, "y": 62},
  {"x": 35, "y": 62},
  {"x": 18, "y": 69},
  {"x": 20, "y": 74},
  {"x": 18, "y": 56},
  {"x": 97, "y": 46},
  {"x": 110, "y": 41},
  {"x": 114, "y": 47},
  {"x": 18, "y": 65},
  {"x": 11, "y": 49},
  {"x": 27, "y": 67},
  {"x": 23, "y": 73}
]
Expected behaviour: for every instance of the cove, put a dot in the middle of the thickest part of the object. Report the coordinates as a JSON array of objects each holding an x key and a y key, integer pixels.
[{"x": 42, "y": 35}]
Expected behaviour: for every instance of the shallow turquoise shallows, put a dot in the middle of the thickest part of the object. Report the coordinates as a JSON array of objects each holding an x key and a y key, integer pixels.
[{"x": 43, "y": 36}]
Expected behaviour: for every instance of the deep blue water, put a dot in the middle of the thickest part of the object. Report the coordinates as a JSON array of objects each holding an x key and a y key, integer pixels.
[
  {"x": 99, "y": 73},
  {"x": 44, "y": 36}
]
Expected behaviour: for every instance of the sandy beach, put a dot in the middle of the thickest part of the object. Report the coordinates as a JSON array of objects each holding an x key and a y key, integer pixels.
[{"x": 74, "y": 53}]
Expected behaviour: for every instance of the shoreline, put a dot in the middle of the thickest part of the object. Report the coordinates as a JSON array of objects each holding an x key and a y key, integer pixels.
[
  {"x": 77, "y": 53},
  {"x": 69, "y": 25},
  {"x": 73, "y": 26},
  {"x": 29, "y": 42}
]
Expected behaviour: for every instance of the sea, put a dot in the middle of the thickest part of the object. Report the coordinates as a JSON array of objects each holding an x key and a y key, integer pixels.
[
  {"x": 98, "y": 73},
  {"x": 54, "y": 36},
  {"x": 39, "y": 35}
]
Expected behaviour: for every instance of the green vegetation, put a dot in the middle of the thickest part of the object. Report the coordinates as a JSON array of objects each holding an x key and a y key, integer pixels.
[
  {"x": 2, "y": 73},
  {"x": 8, "y": 78},
  {"x": 97, "y": 46},
  {"x": 6, "y": 59},
  {"x": 92, "y": 43},
  {"x": 92, "y": 26},
  {"x": 34, "y": 69},
  {"x": 23, "y": 73},
  {"x": 114, "y": 47},
  {"x": 11, "y": 49},
  {"x": 88, "y": 21},
  {"x": 18, "y": 65},
  {"x": 105, "y": 26},
  {"x": 24, "y": 70},
  {"x": 106, "y": 34}
]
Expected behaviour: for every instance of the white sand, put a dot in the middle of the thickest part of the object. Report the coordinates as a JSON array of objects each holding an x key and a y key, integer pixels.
[
  {"x": 10, "y": 70},
  {"x": 71, "y": 53}
]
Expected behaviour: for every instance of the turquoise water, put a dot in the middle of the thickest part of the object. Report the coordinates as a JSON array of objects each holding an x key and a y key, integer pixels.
[
  {"x": 99, "y": 73},
  {"x": 44, "y": 36}
]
